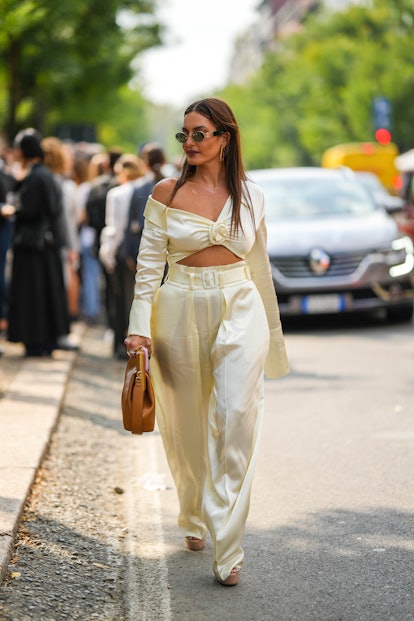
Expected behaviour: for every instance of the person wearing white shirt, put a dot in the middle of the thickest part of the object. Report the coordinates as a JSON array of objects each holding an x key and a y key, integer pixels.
[{"x": 129, "y": 168}]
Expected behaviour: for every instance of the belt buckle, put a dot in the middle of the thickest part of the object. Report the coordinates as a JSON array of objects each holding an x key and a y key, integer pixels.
[{"x": 209, "y": 279}]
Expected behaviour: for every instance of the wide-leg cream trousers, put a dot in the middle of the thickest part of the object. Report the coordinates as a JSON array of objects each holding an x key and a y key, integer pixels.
[{"x": 210, "y": 341}]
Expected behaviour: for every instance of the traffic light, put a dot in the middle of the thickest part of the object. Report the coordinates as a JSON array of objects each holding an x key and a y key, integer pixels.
[
  {"x": 383, "y": 135},
  {"x": 382, "y": 119}
]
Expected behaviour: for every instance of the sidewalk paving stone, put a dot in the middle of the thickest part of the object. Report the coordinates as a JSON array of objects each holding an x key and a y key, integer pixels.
[{"x": 31, "y": 394}]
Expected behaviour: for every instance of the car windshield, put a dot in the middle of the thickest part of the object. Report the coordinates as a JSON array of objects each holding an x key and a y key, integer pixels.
[
  {"x": 370, "y": 182},
  {"x": 298, "y": 197}
]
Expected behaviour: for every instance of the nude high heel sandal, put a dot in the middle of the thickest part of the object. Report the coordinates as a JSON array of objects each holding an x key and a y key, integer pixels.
[
  {"x": 194, "y": 543},
  {"x": 232, "y": 579}
]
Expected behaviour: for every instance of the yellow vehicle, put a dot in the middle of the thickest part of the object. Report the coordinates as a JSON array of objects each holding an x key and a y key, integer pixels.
[{"x": 369, "y": 157}]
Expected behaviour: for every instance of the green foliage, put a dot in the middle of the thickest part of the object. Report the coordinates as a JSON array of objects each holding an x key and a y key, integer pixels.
[
  {"x": 70, "y": 62},
  {"x": 316, "y": 89},
  {"x": 66, "y": 60}
]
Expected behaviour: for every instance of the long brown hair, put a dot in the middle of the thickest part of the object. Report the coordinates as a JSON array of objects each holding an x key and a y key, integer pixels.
[
  {"x": 222, "y": 117},
  {"x": 154, "y": 156}
]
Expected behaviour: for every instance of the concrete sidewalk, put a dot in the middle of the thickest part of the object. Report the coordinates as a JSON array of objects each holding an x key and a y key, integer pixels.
[{"x": 29, "y": 410}]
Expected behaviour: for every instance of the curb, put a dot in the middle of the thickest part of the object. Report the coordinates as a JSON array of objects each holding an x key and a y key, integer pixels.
[{"x": 29, "y": 412}]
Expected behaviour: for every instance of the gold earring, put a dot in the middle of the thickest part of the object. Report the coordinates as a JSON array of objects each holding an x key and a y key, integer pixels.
[{"x": 222, "y": 153}]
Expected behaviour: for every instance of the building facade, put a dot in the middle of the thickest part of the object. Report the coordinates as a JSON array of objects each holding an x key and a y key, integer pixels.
[{"x": 275, "y": 19}]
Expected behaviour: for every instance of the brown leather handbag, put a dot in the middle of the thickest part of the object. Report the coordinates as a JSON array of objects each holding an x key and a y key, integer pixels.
[{"x": 138, "y": 400}]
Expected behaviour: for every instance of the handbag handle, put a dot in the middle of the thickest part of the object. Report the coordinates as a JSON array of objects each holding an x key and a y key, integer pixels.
[
  {"x": 139, "y": 390},
  {"x": 140, "y": 362}
]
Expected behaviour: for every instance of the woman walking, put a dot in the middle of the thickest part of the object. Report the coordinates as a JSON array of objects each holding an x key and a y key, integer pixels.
[{"x": 213, "y": 328}]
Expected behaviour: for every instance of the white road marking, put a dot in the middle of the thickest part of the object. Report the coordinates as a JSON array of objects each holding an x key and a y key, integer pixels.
[{"x": 147, "y": 596}]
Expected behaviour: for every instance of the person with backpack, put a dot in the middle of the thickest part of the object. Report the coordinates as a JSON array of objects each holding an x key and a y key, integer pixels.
[
  {"x": 121, "y": 237},
  {"x": 128, "y": 169},
  {"x": 95, "y": 209}
]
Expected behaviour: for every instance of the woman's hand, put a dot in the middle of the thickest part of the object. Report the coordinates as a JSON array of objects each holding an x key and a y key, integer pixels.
[
  {"x": 133, "y": 342},
  {"x": 7, "y": 211}
]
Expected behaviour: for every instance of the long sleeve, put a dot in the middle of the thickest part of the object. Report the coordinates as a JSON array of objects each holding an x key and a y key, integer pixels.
[
  {"x": 70, "y": 215},
  {"x": 150, "y": 271},
  {"x": 258, "y": 261},
  {"x": 116, "y": 219}
]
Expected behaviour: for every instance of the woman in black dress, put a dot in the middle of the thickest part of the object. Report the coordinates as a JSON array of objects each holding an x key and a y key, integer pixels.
[{"x": 38, "y": 313}]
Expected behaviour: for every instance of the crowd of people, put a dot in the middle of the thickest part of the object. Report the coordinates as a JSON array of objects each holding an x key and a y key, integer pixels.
[{"x": 67, "y": 237}]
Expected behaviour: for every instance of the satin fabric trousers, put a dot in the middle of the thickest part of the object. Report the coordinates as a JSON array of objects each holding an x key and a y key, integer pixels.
[{"x": 210, "y": 341}]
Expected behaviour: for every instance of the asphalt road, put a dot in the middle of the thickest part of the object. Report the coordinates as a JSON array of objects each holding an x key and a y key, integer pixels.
[{"x": 330, "y": 531}]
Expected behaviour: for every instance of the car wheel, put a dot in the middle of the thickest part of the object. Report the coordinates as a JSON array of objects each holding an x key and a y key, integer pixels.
[{"x": 403, "y": 312}]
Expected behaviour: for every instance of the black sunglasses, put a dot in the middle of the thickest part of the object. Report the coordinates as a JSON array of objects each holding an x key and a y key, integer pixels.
[{"x": 197, "y": 136}]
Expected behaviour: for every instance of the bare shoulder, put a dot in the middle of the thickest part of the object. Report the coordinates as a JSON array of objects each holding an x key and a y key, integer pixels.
[{"x": 162, "y": 191}]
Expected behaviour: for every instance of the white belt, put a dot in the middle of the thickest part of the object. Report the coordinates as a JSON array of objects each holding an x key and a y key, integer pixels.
[{"x": 208, "y": 278}]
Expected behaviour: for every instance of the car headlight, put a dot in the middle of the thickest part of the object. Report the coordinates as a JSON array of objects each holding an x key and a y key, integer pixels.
[{"x": 402, "y": 256}]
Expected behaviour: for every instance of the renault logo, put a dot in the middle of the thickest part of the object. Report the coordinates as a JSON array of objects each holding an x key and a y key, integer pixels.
[{"x": 319, "y": 261}]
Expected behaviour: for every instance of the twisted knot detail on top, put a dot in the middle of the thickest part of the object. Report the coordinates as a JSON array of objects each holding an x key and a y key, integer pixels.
[{"x": 219, "y": 232}]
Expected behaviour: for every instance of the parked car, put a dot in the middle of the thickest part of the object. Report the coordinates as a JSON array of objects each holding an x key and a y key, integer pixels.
[
  {"x": 332, "y": 248},
  {"x": 379, "y": 193}
]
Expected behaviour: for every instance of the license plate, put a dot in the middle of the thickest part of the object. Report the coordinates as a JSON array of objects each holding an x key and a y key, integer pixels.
[{"x": 331, "y": 303}]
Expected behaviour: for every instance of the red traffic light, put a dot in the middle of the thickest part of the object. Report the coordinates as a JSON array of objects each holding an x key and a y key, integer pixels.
[{"x": 383, "y": 136}]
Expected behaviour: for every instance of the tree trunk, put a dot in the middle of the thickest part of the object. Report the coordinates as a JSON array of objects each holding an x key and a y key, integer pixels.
[{"x": 13, "y": 57}]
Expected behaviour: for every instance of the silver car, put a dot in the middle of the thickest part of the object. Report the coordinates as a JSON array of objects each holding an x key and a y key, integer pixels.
[
  {"x": 378, "y": 192},
  {"x": 332, "y": 248}
]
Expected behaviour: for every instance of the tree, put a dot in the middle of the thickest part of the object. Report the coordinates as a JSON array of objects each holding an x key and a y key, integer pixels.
[
  {"x": 64, "y": 61},
  {"x": 316, "y": 89}
]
